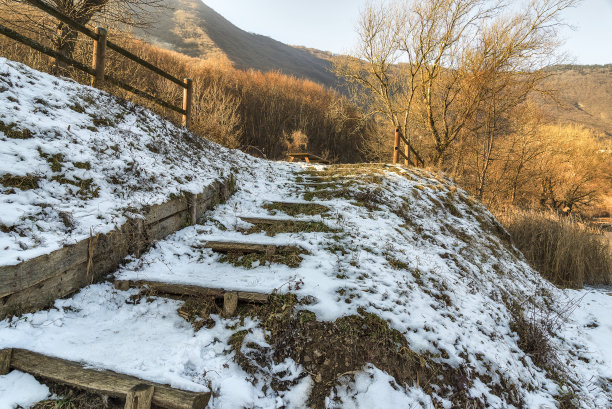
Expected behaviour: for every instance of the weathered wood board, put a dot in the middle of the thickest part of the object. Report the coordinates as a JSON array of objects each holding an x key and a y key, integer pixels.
[
  {"x": 36, "y": 283},
  {"x": 108, "y": 383},
  {"x": 190, "y": 290}
]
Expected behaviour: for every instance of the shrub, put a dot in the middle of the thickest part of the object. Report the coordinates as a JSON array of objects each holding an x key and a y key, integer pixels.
[
  {"x": 564, "y": 250},
  {"x": 250, "y": 110}
]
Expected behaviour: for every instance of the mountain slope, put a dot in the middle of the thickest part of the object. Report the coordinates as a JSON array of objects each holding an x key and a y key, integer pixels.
[
  {"x": 194, "y": 29},
  {"x": 583, "y": 96}
]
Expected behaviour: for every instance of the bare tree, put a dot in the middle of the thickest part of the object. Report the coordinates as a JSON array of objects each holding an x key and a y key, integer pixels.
[
  {"x": 440, "y": 69},
  {"x": 132, "y": 13}
]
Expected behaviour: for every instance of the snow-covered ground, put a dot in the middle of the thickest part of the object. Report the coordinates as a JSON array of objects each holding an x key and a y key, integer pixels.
[
  {"x": 412, "y": 248},
  {"x": 86, "y": 160}
]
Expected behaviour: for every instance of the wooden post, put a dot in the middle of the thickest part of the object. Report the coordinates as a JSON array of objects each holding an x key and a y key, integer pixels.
[
  {"x": 187, "y": 100},
  {"x": 396, "y": 145},
  {"x": 230, "y": 303},
  {"x": 99, "y": 56},
  {"x": 407, "y": 153},
  {"x": 139, "y": 397},
  {"x": 193, "y": 208},
  {"x": 5, "y": 361}
]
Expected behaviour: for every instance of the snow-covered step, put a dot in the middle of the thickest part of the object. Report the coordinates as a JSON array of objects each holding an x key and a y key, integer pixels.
[
  {"x": 191, "y": 290},
  {"x": 241, "y": 247},
  {"x": 107, "y": 383}
]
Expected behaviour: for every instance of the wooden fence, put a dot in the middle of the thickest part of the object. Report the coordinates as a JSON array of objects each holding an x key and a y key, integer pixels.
[
  {"x": 101, "y": 43},
  {"x": 407, "y": 150}
]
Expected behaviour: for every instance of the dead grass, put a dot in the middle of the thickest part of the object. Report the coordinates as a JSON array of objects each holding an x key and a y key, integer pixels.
[
  {"x": 329, "y": 351},
  {"x": 564, "y": 250},
  {"x": 68, "y": 398},
  {"x": 12, "y": 131},
  {"x": 290, "y": 256},
  {"x": 26, "y": 182},
  {"x": 288, "y": 226},
  {"x": 295, "y": 209},
  {"x": 254, "y": 111}
]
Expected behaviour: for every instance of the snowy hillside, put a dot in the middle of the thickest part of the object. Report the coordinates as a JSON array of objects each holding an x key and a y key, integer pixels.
[
  {"x": 74, "y": 161},
  {"x": 388, "y": 288}
]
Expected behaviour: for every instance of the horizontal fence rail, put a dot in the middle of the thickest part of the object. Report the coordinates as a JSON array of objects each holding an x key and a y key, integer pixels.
[{"x": 98, "y": 61}]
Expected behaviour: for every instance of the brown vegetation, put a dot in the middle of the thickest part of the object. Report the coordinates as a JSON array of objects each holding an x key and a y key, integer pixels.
[
  {"x": 251, "y": 110},
  {"x": 564, "y": 250}
]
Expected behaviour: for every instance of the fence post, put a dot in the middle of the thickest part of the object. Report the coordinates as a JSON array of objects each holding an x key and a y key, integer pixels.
[
  {"x": 99, "y": 56},
  {"x": 396, "y": 145},
  {"x": 187, "y": 100},
  {"x": 407, "y": 153}
]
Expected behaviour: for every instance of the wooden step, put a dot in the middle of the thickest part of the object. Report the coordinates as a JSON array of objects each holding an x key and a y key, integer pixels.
[
  {"x": 239, "y": 247},
  {"x": 307, "y": 157},
  {"x": 107, "y": 383},
  {"x": 190, "y": 290},
  {"x": 263, "y": 220}
]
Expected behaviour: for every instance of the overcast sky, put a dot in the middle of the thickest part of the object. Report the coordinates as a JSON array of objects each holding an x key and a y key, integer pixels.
[{"x": 330, "y": 24}]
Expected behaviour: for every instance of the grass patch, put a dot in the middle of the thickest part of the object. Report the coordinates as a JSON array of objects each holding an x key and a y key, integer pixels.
[
  {"x": 55, "y": 161},
  {"x": 26, "y": 182},
  {"x": 87, "y": 189},
  {"x": 290, "y": 256},
  {"x": 197, "y": 310},
  {"x": 330, "y": 350},
  {"x": 12, "y": 131},
  {"x": 82, "y": 165},
  {"x": 286, "y": 226},
  {"x": 565, "y": 251},
  {"x": 294, "y": 209},
  {"x": 69, "y": 398},
  {"x": 535, "y": 328}
]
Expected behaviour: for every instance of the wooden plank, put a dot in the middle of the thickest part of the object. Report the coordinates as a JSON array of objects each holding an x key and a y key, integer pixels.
[
  {"x": 230, "y": 246},
  {"x": 102, "y": 382},
  {"x": 262, "y": 220},
  {"x": 45, "y": 50},
  {"x": 308, "y": 157},
  {"x": 189, "y": 290},
  {"x": 31, "y": 272},
  {"x": 161, "y": 211},
  {"x": 140, "y": 397},
  {"x": 140, "y": 93},
  {"x": 5, "y": 361},
  {"x": 162, "y": 229}
]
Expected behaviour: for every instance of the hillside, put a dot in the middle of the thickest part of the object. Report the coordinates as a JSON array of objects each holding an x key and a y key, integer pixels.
[
  {"x": 192, "y": 28},
  {"x": 377, "y": 286},
  {"x": 583, "y": 93},
  {"x": 584, "y": 96}
]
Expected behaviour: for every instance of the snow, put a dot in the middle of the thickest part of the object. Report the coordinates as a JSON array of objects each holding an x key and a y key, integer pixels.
[
  {"x": 78, "y": 135},
  {"x": 18, "y": 389},
  {"x": 375, "y": 389},
  {"x": 426, "y": 258}
]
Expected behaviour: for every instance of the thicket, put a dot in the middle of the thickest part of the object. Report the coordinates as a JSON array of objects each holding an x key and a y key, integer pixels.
[
  {"x": 563, "y": 249},
  {"x": 250, "y": 110}
]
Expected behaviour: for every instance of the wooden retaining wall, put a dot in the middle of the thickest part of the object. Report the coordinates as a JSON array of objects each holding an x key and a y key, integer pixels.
[{"x": 37, "y": 283}]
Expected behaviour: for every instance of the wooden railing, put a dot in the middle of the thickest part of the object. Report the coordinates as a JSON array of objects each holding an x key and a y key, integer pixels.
[
  {"x": 101, "y": 43},
  {"x": 407, "y": 151}
]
